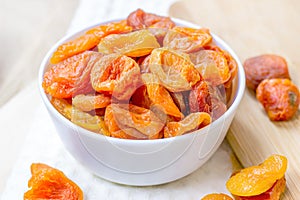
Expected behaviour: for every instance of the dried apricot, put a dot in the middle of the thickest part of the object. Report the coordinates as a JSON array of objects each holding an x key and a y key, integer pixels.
[
  {"x": 218, "y": 101},
  {"x": 200, "y": 99},
  {"x": 117, "y": 75},
  {"x": 134, "y": 44},
  {"x": 88, "y": 41},
  {"x": 212, "y": 65},
  {"x": 187, "y": 39},
  {"x": 144, "y": 64},
  {"x": 256, "y": 180},
  {"x": 274, "y": 193},
  {"x": 91, "y": 102},
  {"x": 132, "y": 122},
  {"x": 264, "y": 67},
  {"x": 93, "y": 123},
  {"x": 63, "y": 107},
  {"x": 160, "y": 95},
  {"x": 141, "y": 98},
  {"x": 232, "y": 64},
  {"x": 215, "y": 196},
  {"x": 279, "y": 97},
  {"x": 70, "y": 77},
  {"x": 158, "y": 32},
  {"x": 175, "y": 70},
  {"x": 140, "y": 20},
  {"x": 83, "y": 119},
  {"x": 180, "y": 99},
  {"x": 50, "y": 183},
  {"x": 190, "y": 123}
]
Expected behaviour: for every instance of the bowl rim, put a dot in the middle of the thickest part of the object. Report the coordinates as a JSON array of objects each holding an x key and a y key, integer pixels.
[{"x": 240, "y": 89}]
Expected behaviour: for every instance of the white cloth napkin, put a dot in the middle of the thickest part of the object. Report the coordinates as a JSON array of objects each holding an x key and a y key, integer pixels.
[{"x": 43, "y": 144}]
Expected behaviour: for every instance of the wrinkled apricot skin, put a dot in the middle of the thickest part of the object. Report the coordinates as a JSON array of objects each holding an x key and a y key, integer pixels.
[
  {"x": 215, "y": 196},
  {"x": 212, "y": 65},
  {"x": 116, "y": 75},
  {"x": 77, "y": 116},
  {"x": 219, "y": 98},
  {"x": 190, "y": 123},
  {"x": 132, "y": 122},
  {"x": 160, "y": 95},
  {"x": 174, "y": 69},
  {"x": 279, "y": 97},
  {"x": 218, "y": 108},
  {"x": 200, "y": 98},
  {"x": 134, "y": 44},
  {"x": 50, "y": 183},
  {"x": 71, "y": 76},
  {"x": 256, "y": 180},
  {"x": 180, "y": 101},
  {"x": 62, "y": 106},
  {"x": 143, "y": 62},
  {"x": 91, "y": 102},
  {"x": 88, "y": 41},
  {"x": 140, "y": 20},
  {"x": 141, "y": 98},
  {"x": 274, "y": 193},
  {"x": 232, "y": 64},
  {"x": 186, "y": 39},
  {"x": 264, "y": 67}
]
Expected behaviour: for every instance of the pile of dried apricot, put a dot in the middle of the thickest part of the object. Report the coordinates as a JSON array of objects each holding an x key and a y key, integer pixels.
[
  {"x": 263, "y": 182},
  {"x": 268, "y": 75},
  {"x": 141, "y": 78}
]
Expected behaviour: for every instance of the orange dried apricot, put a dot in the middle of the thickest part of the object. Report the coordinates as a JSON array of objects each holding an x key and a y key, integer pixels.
[
  {"x": 256, "y": 180},
  {"x": 232, "y": 64},
  {"x": 141, "y": 98},
  {"x": 83, "y": 119},
  {"x": 190, "y": 123},
  {"x": 218, "y": 101},
  {"x": 63, "y": 106},
  {"x": 175, "y": 70},
  {"x": 160, "y": 96},
  {"x": 180, "y": 100},
  {"x": 88, "y": 41},
  {"x": 187, "y": 39},
  {"x": 212, "y": 65},
  {"x": 134, "y": 44},
  {"x": 140, "y": 20},
  {"x": 117, "y": 75},
  {"x": 90, "y": 122},
  {"x": 200, "y": 98},
  {"x": 274, "y": 193},
  {"x": 263, "y": 67},
  {"x": 91, "y": 102},
  {"x": 279, "y": 97},
  {"x": 50, "y": 183},
  {"x": 143, "y": 62},
  {"x": 218, "y": 108},
  {"x": 215, "y": 196},
  {"x": 70, "y": 77},
  {"x": 132, "y": 122}
]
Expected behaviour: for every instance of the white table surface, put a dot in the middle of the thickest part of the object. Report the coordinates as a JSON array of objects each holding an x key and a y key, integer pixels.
[{"x": 41, "y": 143}]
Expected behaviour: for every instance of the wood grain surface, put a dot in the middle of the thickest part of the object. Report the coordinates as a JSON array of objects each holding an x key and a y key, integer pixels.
[{"x": 252, "y": 28}]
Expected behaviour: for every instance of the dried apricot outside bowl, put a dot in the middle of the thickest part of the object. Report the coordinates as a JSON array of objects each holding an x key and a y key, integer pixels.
[{"x": 139, "y": 162}]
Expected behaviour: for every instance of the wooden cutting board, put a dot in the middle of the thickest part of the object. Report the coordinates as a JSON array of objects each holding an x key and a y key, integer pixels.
[{"x": 252, "y": 28}]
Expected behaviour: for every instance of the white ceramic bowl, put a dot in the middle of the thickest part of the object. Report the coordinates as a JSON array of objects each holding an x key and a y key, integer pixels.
[{"x": 144, "y": 162}]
